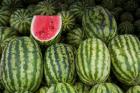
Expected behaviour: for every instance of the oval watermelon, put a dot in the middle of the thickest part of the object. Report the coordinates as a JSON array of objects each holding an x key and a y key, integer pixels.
[
  {"x": 59, "y": 64},
  {"x": 93, "y": 61},
  {"x": 22, "y": 67},
  {"x": 125, "y": 55},
  {"x": 46, "y": 29}
]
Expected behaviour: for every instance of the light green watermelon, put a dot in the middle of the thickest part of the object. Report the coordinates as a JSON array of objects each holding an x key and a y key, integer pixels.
[
  {"x": 21, "y": 21},
  {"x": 106, "y": 88},
  {"x": 125, "y": 55},
  {"x": 134, "y": 89},
  {"x": 61, "y": 88},
  {"x": 59, "y": 64},
  {"x": 22, "y": 66},
  {"x": 99, "y": 22},
  {"x": 93, "y": 61}
]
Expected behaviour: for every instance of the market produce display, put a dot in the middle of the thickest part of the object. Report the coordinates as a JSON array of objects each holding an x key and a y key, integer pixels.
[{"x": 69, "y": 46}]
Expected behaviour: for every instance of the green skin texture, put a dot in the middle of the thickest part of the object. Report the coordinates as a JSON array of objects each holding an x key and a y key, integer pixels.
[
  {"x": 42, "y": 90},
  {"x": 124, "y": 51},
  {"x": 61, "y": 88},
  {"x": 22, "y": 66},
  {"x": 59, "y": 64},
  {"x": 93, "y": 61},
  {"x": 134, "y": 89},
  {"x": 100, "y": 23},
  {"x": 81, "y": 88},
  {"x": 106, "y": 88}
]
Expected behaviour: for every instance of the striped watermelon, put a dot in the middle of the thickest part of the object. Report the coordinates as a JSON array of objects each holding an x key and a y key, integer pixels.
[
  {"x": 125, "y": 54},
  {"x": 75, "y": 37},
  {"x": 81, "y": 88},
  {"x": 22, "y": 67},
  {"x": 126, "y": 27},
  {"x": 100, "y": 23},
  {"x": 4, "y": 17},
  {"x": 68, "y": 20},
  {"x": 59, "y": 64},
  {"x": 93, "y": 61},
  {"x": 44, "y": 8},
  {"x": 61, "y": 88},
  {"x": 6, "y": 35},
  {"x": 42, "y": 90},
  {"x": 106, "y": 88},
  {"x": 134, "y": 89},
  {"x": 21, "y": 21}
]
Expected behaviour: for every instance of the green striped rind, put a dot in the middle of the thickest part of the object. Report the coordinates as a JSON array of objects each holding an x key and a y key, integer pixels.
[
  {"x": 134, "y": 89},
  {"x": 78, "y": 9},
  {"x": 59, "y": 64},
  {"x": 21, "y": 21},
  {"x": 23, "y": 92},
  {"x": 100, "y": 23},
  {"x": 4, "y": 17},
  {"x": 68, "y": 20},
  {"x": 81, "y": 88},
  {"x": 6, "y": 35},
  {"x": 61, "y": 88},
  {"x": 12, "y": 5},
  {"x": 93, "y": 61},
  {"x": 126, "y": 27},
  {"x": 75, "y": 37},
  {"x": 44, "y": 8},
  {"x": 22, "y": 65},
  {"x": 42, "y": 90},
  {"x": 125, "y": 54},
  {"x": 106, "y": 88},
  {"x": 5, "y": 91}
]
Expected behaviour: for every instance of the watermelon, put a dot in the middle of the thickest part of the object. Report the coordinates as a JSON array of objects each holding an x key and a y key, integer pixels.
[
  {"x": 4, "y": 17},
  {"x": 6, "y": 35},
  {"x": 59, "y": 64},
  {"x": 100, "y": 23},
  {"x": 134, "y": 89},
  {"x": 68, "y": 20},
  {"x": 44, "y": 8},
  {"x": 81, "y": 88},
  {"x": 75, "y": 37},
  {"x": 42, "y": 90},
  {"x": 12, "y": 5},
  {"x": 46, "y": 29},
  {"x": 5, "y": 91},
  {"x": 125, "y": 55},
  {"x": 126, "y": 27},
  {"x": 93, "y": 61},
  {"x": 109, "y": 4},
  {"x": 61, "y": 88},
  {"x": 126, "y": 16},
  {"x": 21, "y": 20},
  {"x": 22, "y": 66},
  {"x": 106, "y": 88}
]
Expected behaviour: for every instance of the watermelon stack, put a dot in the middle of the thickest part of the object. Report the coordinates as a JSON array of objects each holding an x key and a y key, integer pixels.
[{"x": 69, "y": 46}]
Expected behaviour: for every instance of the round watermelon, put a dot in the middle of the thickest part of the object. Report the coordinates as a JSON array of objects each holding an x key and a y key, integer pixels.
[
  {"x": 106, "y": 88},
  {"x": 125, "y": 55},
  {"x": 134, "y": 89},
  {"x": 61, "y": 88},
  {"x": 93, "y": 61},
  {"x": 22, "y": 66},
  {"x": 21, "y": 21},
  {"x": 99, "y": 22},
  {"x": 59, "y": 64}
]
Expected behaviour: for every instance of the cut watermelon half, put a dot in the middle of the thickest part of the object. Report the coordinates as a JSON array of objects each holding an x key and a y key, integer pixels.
[{"x": 45, "y": 28}]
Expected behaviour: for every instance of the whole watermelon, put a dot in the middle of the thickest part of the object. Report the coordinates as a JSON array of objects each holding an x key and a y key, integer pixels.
[
  {"x": 125, "y": 55},
  {"x": 59, "y": 64},
  {"x": 134, "y": 89},
  {"x": 106, "y": 88},
  {"x": 22, "y": 67},
  {"x": 61, "y": 88},
  {"x": 93, "y": 61},
  {"x": 99, "y": 22}
]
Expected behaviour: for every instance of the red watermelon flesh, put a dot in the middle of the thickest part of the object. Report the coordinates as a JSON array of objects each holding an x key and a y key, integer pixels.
[{"x": 45, "y": 28}]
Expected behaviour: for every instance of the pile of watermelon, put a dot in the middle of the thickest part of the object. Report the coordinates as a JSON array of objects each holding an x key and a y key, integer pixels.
[{"x": 70, "y": 46}]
